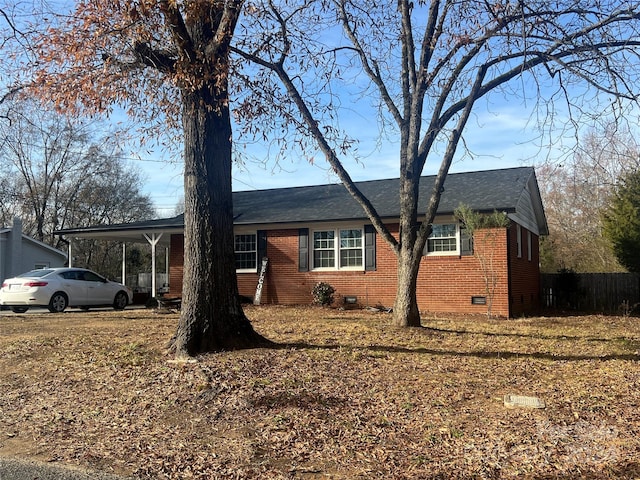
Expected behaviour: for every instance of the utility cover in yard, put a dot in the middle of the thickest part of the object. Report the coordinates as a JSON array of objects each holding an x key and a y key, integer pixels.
[{"x": 513, "y": 401}]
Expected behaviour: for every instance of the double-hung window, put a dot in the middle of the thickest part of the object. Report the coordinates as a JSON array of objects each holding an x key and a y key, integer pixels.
[
  {"x": 324, "y": 249},
  {"x": 338, "y": 249},
  {"x": 449, "y": 239},
  {"x": 351, "y": 248},
  {"x": 443, "y": 238},
  {"x": 246, "y": 251}
]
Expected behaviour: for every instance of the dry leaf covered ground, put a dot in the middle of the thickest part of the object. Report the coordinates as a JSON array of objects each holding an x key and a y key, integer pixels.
[{"x": 343, "y": 395}]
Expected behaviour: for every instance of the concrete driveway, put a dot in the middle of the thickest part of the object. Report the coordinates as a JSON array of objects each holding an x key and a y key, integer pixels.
[{"x": 18, "y": 469}]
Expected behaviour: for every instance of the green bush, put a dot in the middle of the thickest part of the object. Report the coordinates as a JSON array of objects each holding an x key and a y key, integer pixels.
[{"x": 323, "y": 294}]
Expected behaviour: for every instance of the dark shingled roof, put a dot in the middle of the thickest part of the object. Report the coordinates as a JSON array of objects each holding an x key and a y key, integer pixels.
[
  {"x": 487, "y": 191},
  {"x": 482, "y": 191}
]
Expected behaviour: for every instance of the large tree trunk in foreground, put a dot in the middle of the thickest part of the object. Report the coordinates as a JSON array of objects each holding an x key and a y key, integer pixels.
[
  {"x": 211, "y": 318},
  {"x": 405, "y": 308}
]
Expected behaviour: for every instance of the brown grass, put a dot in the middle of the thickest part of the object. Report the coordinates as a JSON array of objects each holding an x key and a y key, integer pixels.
[{"x": 345, "y": 395}]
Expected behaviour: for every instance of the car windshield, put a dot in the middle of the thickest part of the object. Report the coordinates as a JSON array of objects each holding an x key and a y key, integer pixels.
[{"x": 37, "y": 273}]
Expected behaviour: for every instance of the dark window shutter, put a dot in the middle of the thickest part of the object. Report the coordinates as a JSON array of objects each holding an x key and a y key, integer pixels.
[
  {"x": 303, "y": 250},
  {"x": 262, "y": 244},
  {"x": 369, "y": 247}
]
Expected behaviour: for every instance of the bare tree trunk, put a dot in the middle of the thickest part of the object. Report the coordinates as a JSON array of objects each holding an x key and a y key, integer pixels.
[
  {"x": 405, "y": 309},
  {"x": 212, "y": 318}
]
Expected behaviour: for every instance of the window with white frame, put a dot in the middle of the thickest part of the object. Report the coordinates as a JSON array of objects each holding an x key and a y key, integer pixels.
[
  {"x": 351, "y": 248},
  {"x": 443, "y": 238},
  {"x": 529, "y": 253},
  {"x": 246, "y": 251},
  {"x": 449, "y": 239},
  {"x": 324, "y": 249},
  {"x": 338, "y": 249}
]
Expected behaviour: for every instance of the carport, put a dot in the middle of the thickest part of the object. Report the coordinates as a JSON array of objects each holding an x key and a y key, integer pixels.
[{"x": 156, "y": 233}]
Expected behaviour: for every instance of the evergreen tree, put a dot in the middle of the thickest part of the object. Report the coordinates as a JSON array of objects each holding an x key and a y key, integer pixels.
[{"x": 621, "y": 221}]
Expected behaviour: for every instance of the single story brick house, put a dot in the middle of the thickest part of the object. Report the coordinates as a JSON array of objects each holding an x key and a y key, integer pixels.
[{"x": 320, "y": 234}]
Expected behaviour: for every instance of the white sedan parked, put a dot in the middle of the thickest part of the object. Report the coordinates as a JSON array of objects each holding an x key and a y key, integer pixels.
[{"x": 59, "y": 288}]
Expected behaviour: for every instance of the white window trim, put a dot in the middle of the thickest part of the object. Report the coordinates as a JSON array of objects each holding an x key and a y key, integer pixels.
[
  {"x": 247, "y": 270},
  {"x": 529, "y": 236},
  {"x": 519, "y": 240},
  {"x": 336, "y": 248},
  {"x": 452, "y": 253}
]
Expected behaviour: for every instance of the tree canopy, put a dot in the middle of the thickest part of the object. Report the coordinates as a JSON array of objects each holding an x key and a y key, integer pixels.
[
  {"x": 576, "y": 190},
  {"x": 425, "y": 66},
  {"x": 292, "y": 69},
  {"x": 167, "y": 64},
  {"x": 57, "y": 173},
  {"x": 621, "y": 221}
]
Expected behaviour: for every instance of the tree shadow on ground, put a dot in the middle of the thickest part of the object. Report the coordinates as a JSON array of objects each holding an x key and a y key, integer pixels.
[
  {"x": 527, "y": 335},
  {"x": 473, "y": 354}
]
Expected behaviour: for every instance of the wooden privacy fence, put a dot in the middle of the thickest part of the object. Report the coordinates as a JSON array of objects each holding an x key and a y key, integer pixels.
[{"x": 592, "y": 292}]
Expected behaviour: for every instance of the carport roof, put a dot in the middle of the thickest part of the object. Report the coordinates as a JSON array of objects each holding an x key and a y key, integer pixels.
[
  {"x": 133, "y": 232},
  {"x": 513, "y": 190}
]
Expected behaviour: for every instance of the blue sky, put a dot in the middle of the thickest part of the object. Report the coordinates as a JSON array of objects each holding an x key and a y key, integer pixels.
[
  {"x": 501, "y": 137},
  {"x": 500, "y": 134}
]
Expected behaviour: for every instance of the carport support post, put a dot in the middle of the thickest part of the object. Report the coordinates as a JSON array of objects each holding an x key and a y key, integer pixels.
[
  {"x": 153, "y": 240},
  {"x": 124, "y": 263}
]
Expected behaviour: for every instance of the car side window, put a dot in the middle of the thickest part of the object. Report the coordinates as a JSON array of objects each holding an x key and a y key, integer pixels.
[{"x": 91, "y": 277}]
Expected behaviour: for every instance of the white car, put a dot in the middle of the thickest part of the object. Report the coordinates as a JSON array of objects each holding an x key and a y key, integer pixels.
[{"x": 59, "y": 288}]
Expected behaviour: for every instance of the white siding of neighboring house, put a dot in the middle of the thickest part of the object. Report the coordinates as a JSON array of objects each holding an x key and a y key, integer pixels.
[{"x": 20, "y": 253}]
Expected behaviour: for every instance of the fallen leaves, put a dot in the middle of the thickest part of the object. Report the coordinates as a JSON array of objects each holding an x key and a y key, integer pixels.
[{"x": 343, "y": 395}]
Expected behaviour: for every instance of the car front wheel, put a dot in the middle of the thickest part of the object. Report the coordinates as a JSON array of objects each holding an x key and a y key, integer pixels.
[
  {"x": 120, "y": 301},
  {"x": 58, "y": 302}
]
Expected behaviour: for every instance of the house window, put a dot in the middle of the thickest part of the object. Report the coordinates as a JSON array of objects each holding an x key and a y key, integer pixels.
[
  {"x": 246, "y": 252},
  {"x": 324, "y": 254},
  {"x": 443, "y": 238},
  {"x": 519, "y": 240},
  {"x": 449, "y": 239},
  {"x": 348, "y": 250},
  {"x": 351, "y": 248},
  {"x": 528, "y": 245}
]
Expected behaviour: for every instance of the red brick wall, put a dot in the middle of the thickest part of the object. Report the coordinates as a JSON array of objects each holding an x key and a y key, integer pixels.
[
  {"x": 525, "y": 274},
  {"x": 445, "y": 283}
]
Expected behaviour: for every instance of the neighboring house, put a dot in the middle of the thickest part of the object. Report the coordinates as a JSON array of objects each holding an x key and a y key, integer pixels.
[
  {"x": 20, "y": 253},
  {"x": 319, "y": 233}
]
